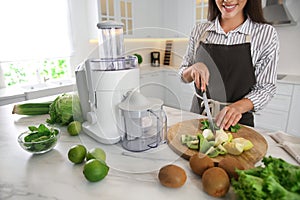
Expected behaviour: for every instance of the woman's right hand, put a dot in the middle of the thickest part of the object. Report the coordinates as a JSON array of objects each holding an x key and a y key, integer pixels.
[{"x": 200, "y": 75}]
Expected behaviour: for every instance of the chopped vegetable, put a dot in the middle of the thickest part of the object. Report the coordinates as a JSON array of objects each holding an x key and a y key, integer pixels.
[
  {"x": 65, "y": 109},
  {"x": 234, "y": 128},
  {"x": 208, "y": 134},
  {"x": 205, "y": 125},
  {"x": 204, "y": 144},
  {"x": 233, "y": 148},
  {"x": 187, "y": 138},
  {"x": 247, "y": 144},
  {"x": 276, "y": 180},
  {"x": 32, "y": 108},
  {"x": 221, "y": 137}
]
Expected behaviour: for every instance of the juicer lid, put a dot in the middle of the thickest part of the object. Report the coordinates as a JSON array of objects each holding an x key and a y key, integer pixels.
[
  {"x": 135, "y": 101},
  {"x": 110, "y": 24}
]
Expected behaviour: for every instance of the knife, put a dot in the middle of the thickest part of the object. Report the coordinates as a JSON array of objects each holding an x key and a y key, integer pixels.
[{"x": 208, "y": 113}]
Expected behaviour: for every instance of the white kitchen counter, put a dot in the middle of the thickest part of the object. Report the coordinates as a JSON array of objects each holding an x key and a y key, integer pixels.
[
  {"x": 148, "y": 68},
  {"x": 131, "y": 176},
  {"x": 15, "y": 94},
  {"x": 11, "y": 95},
  {"x": 289, "y": 79}
]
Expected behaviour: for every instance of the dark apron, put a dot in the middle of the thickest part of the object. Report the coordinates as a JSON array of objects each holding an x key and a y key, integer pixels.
[{"x": 231, "y": 75}]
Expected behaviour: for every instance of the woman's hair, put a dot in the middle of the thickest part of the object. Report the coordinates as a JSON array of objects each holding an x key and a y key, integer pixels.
[{"x": 253, "y": 9}]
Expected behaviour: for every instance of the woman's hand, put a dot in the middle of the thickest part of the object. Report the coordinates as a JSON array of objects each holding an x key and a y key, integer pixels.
[
  {"x": 198, "y": 73},
  {"x": 228, "y": 116},
  {"x": 231, "y": 114}
]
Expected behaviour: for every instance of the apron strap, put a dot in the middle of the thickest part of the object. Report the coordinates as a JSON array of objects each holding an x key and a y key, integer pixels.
[
  {"x": 248, "y": 38},
  {"x": 202, "y": 39}
]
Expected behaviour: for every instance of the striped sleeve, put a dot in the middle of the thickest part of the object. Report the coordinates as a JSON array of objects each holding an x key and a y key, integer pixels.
[{"x": 265, "y": 59}]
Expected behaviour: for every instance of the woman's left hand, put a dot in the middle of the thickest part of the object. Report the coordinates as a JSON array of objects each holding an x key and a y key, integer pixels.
[{"x": 230, "y": 115}]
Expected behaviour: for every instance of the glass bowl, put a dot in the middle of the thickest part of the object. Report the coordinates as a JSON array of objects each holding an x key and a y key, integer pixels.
[{"x": 41, "y": 144}]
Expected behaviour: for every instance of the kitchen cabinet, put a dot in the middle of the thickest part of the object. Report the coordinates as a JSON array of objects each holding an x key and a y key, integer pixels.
[
  {"x": 172, "y": 89},
  {"x": 187, "y": 94},
  {"x": 167, "y": 86},
  {"x": 151, "y": 85},
  {"x": 275, "y": 115},
  {"x": 178, "y": 94},
  {"x": 294, "y": 116}
]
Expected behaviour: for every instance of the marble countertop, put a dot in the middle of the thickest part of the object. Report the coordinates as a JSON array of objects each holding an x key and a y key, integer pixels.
[{"x": 131, "y": 176}]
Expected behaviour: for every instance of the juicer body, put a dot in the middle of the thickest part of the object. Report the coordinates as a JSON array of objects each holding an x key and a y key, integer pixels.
[{"x": 99, "y": 94}]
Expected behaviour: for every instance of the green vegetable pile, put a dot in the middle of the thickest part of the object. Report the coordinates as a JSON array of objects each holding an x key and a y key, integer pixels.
[
  {"x": 233, "y": 129},
  {"x": 219, "y": 144},
  {"x": 277, "y": 179},
  {"x": 34, "y": 140},
  {"x": 65, "y": 109}
]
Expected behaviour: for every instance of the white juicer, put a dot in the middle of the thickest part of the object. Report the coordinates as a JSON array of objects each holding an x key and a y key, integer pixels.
[
  {"x": 104, "y": 82},
  {"x": 108, "y": 89}
]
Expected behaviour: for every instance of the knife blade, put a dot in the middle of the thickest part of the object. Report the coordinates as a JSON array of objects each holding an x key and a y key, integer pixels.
[{"x": 208, "y": 113}]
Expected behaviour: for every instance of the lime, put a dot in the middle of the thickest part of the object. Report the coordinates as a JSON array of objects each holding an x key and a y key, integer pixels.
[
  {"x": 74, "y": 128},
  {"x": 77, "y": 154},
  {"x": 96, "y": 153},
  {"x": 95, "y": 170}
]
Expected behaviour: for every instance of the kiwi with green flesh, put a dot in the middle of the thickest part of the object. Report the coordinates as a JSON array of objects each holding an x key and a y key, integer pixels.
[
  {"x": 200, "y": 162},
  {"x": 230, "y": 164},
  {"x": 215, "y": 182},
  {"x": 172, "y": 176}
]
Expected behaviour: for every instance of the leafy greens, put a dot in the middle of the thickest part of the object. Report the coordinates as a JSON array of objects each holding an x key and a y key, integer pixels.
[{"x": 276, "y": 180}]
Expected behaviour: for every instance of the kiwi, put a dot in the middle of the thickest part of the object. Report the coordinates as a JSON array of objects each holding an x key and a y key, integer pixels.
[
  {"x": 200, "y": 162},
  {"x": 230, "y": 164},
  {"x": 172, "y": 176},
  {"x": 215, "y": 182}
]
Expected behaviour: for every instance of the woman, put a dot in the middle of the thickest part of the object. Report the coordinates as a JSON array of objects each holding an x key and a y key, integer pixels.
[{"x": 234, "y": 54}]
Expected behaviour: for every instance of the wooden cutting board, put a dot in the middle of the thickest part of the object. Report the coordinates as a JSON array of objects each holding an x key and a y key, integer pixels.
[{"x": 193, "y": 127}]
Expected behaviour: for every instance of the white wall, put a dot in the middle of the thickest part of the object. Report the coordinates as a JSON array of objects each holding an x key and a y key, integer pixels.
[
  {"x": 289, "y": 37},
  {"x": 81, "y": 23}
]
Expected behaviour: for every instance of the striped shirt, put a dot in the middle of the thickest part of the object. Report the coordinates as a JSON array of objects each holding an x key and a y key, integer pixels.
[{"x": 264, "y": 53}]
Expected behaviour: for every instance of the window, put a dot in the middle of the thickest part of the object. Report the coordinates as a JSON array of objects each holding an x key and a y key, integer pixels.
[
  {"x": 117, "y": 10},
  {"x": 126, "y": 16},
  {"x": 35, "y": 40},
  {"x": 107, "y": 10},
  {"x": 201, "y": 11}
]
